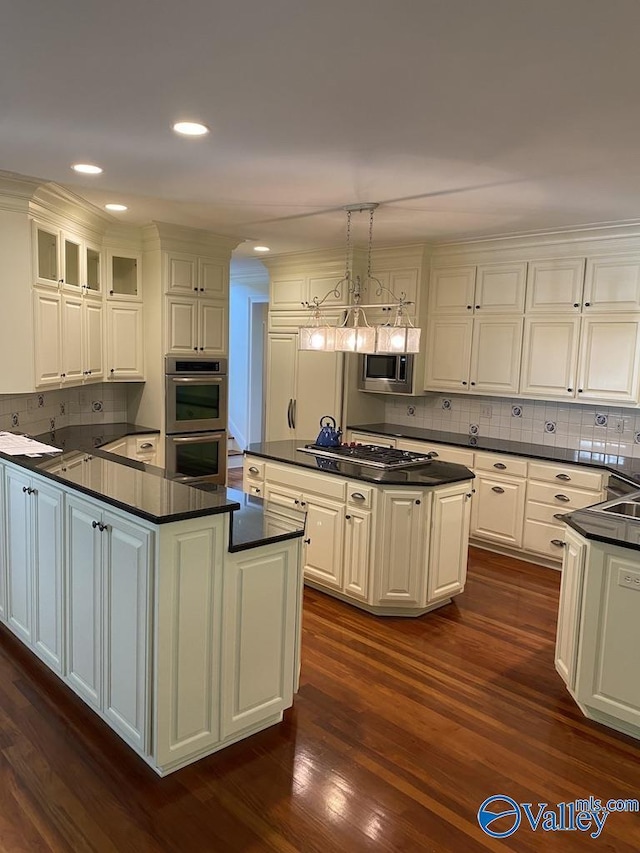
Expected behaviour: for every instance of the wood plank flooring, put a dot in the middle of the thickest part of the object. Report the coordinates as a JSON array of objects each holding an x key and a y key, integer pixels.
[{"x": 402, "y": 727}]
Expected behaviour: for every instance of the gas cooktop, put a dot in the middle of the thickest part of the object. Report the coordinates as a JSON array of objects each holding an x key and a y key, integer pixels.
[{"x": 369, "y": 454}]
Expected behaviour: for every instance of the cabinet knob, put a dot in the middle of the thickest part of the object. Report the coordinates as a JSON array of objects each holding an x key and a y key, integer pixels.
[
  {"x": 563, "y": 498},
  {"x": 576, "y": 304},
  {"x": 202, "y": 290},
  {"x": 463, "y": 382},
  {"x": 569, "y": 390},
  {"x": 587, "y": 304},
  {"x": 469, "y": 307},
  {"x": 468, "y": 495},
  {"x": 307, "y": 541},
  {"x": 558, "y": 543},
  {"x": 257, "y": 491},
  {"x": 112, "y": 370},
  {"x": 472, "y": 383},
  {"x": 63, "y": 375},
  {"x": 24, "y": 488},
  {"x": 347, "y": 517},
  {"x": 201, "y": 348},
  {"x": 477, "y": 306},
  {"x": 94, "y": 524},
  {"x": 195, "y": 288},
  {"x": 418, "y": 502},
  {"x": 579, "y": 390},
  {"x": 303, "y": 503},
  {"x": 195, "y": 349},
  {"x": 111, "y": 293},
  {"x": 497, "y": 489},
  {"x": 296, "y": 501}
]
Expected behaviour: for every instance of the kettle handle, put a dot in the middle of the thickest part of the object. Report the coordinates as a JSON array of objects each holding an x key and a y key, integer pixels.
[{"x": 327, "y": 417}]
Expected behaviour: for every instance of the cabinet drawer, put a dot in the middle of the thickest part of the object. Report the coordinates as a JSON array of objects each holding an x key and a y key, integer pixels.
[
  {"x": 441, "y": 452},
  {"x": 145, "y": 445},
  {"x": 546, "y": 539},
  {"x": 580, "y": 477},
  {"x": 256, "y": 491},
  {"x": 309, "y": 483},
  {"x": 359, "y": 495},
  {"x": 560, "y": 495},
  {"x": 500, "y": 464},
  {"x": 545, "y": 512},
  {"x": 368, "y": 438},
  {"x": 283, "y": 497},
  {"x": 252, "y": 469}
]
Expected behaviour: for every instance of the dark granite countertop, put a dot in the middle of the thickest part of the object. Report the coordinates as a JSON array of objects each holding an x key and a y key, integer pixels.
[
  {"x": 433, "y": 473},
  {"x": 251, "y": 524},
  {"x": 624, "y": 466},
  {"x": 605, "y": 527}
]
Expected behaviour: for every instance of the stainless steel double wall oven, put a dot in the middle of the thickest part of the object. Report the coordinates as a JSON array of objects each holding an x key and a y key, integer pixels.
[{"x": 196, "y": 418}]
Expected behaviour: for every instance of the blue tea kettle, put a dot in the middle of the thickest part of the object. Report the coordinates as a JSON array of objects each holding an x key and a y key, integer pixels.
[{"x": 328, "y": 436}]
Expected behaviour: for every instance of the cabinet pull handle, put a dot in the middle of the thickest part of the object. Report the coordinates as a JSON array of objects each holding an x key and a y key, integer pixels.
[
  {"x": 558, "y": 543},
  {"x": 307, "y": 541},
  {"x": 558, "y": 515},
  {"x": 289, "y": 424},
  {"x": 500, "y": 465},
  {"x": 358, "y": 496},
  {"x": 253, "y": 470},
  {"x": 347, "y": 517},
  {"x": 432, "y": 454},
  {"x": 562, "y": 477},
  {"x": 293, "y": 414},
  {"x": 146, "y": 445},
  {"x": 562, "y": 498},
  {"x": 497, "y": 489}
]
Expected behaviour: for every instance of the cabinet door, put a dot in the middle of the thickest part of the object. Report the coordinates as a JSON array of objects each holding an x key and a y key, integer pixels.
[
  {"x": 72, "y": 339},
  {"x": 497, "y": 513},
  {"x": 569, "y": 609},
  {"x": 357, "y": 553},
  {"x": 448, "y": 546},
  {"x": 3, "y": 564},
  {"x": 282, "y": 352},
  {"x": 46, "y": 255},
  {"x": 500, "y": 288},
  {"x": 126, "y": 551},
  {"x": 318, "y": 391},
  {"x": 72, "y": 260},
  {"x": 609, "y": 355},
  {"x": 182, "y": 326},
  {"x": 448, "y": 353},
  {"x": 124, "y": 341},
  {"x": 555, "y": 286},
  {"x": 93, "y": 341},
  {"x": 260, "y": 615},
  {"x": 84, "y": 600},
  {"x": 451, "y": 290},
  {"x": 93, "y": 270},
  {"x": 124, "y": 275},
  {"x": 212, "y": 322},
  {"x": 47, "y": 341},
  {"x": 288, "y": 294},
  {"x": 550, "y": 356},
  {"x": 46, "y": 506},
  {"x": 612, "y": 284},
  {"x": 213, "y": 278},
  {"x": 495, "y": 355},
  {"x": 403, "y": 557},
  {"x": 182, "y": 274},
  {"x": 19, "y": 555},
  {"x": 324, "y": 535}
]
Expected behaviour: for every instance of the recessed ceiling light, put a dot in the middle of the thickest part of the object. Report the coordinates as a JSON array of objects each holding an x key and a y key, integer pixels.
[
  {"x": 86, "y": 168},
  {"x": 261, "y": 249},
  {"x": 118, "y": 207},
  {"x": 190, "y": 128}
]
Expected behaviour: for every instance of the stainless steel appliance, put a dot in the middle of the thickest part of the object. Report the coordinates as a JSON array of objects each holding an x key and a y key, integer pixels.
[
  {"x": 386, "y": 373},
  {"x": 196, "y": 419},
  {"x": 197, "y": 457},
  {"x": 195, "y": 394},
  {"x": 371, "y": 455}
]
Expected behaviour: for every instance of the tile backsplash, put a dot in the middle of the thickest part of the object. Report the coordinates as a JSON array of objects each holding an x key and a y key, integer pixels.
[
  {"x": 38, "y": 413},
  {"x": 606, "y": 429}
]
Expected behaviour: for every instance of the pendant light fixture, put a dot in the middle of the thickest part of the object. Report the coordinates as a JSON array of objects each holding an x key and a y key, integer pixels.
[{"x": 355, "y": 334}]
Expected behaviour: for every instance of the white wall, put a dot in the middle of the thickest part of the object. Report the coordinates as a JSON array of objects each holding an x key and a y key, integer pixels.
[{"x": 245, "y": 357}]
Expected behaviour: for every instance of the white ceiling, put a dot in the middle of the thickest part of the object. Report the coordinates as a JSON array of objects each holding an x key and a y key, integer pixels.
[{"x": 463, "y": 117}]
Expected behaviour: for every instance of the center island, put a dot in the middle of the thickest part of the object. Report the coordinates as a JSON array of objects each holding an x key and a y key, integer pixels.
[{"x": 392, "y": 542}]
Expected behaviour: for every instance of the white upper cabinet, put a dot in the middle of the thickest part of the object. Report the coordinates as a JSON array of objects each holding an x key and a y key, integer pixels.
[
  {"x": 554, "y": 285},
  {"x": 487, "y": 288},
  {"x": 550, "y": 356},
  {"x": 182, "y": 274},
  {"x": 452, "y": 290},
  {"x": 124, "y": 342},
  {"x": 213, "y": 278},
  {"x": 190, "y": 275},
  {"x": 124, "y": 275},
  {"x": 448, "y": 353},
  {"x": 72, "y": 256},
  {"x": 81, "y": 267},
  {"x": 612, "y": 283},
  {"x": 288, "y": 294},
  {"x": 495, "y": 355},
  {"x": 47, "y": 310},
  {"x": 609, "y": 358},
  {"x": 46, "y": 255},
  {"x": 500, "y": 288}
]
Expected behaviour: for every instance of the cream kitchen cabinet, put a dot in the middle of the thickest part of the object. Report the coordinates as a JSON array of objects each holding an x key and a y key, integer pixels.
[
  {"x": 47, "y": 342},
  {"x": 554, "y": 286},
  {"x": 450, "y": 523},
  {"x": 81, "y": 268},
  {"x": 290, "y": 292},
  {"x": 196, "y": 325},
  {"x": 612, "y": 283},
  {"x": 189, "y": 275},
  {"x": 497, "y": 288},
  {"x": 124, "y": 275},
  {"x": 441, "y": 452},
  {"x": 569, "y": 612},
  {"x": 46, "y": 255},
  {"x": 609, "y": 359},
  {"x": 550, "y": 356},
  {"x": 404, "y": 517},
  {"x": 357, "y": 546},
  {"x": 302, "y": 386},
  {"x": 125, "y": 352},
  {"x": 33, "y": 525},
  {"x": 395, "y": 283},
  {"x": 372, "y": 438},
  {"x": 3, "y": 563},
  {"x": 497, "y": 513},
  {"x": 82, "y": 339},
  {"x": 108, "y": 565},
  {"x": 479, "y": 354}
]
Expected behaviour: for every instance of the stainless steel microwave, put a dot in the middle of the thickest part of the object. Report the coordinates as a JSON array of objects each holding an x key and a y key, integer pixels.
[{"x": 386, "y": 373}]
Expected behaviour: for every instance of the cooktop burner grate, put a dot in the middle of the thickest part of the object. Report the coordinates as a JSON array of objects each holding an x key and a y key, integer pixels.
[{"x": 369, "y": 454}]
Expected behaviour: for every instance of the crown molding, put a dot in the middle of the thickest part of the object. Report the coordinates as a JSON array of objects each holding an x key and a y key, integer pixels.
[{"x": 181, "y": 238}]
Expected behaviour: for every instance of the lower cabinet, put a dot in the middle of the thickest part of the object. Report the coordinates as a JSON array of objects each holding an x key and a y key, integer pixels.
[
  {"x": 498, "y": 509},
  {"x": 324, "y": 538},
  {"x": 108, "y": 562},
  {"x": 449, "y": 545},
  {"x": 34, "y": 559},
  {"x": 569, "y": 608},
  {"x": 357, "y": 553},
  {"x": 404, "y": 519}
]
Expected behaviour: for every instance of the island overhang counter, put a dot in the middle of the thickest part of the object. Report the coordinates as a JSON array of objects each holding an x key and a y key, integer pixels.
[{"x": 393, "y": 543}]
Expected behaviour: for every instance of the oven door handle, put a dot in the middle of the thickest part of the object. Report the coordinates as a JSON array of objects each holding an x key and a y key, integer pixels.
[{"x": 200, "y": 379}]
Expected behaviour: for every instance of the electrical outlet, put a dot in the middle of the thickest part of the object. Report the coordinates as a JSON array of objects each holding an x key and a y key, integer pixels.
[
  {"x": 485, "y": 412},
  {"x": 629, "y": 579}
]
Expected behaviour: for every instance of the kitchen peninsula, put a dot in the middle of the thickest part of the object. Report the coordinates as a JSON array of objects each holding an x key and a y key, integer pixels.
[
  {"x": 392, "y": 542},
  {"x": 173, "y": 612}
]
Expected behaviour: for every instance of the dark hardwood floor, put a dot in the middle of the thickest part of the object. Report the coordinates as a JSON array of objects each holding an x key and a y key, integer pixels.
[{"x": 400, "y": 730}]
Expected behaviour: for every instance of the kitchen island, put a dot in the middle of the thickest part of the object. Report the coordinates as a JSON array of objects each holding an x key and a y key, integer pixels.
[
  {"x": 392, "y": 542},
  {"x": 173, "y": 612}
]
